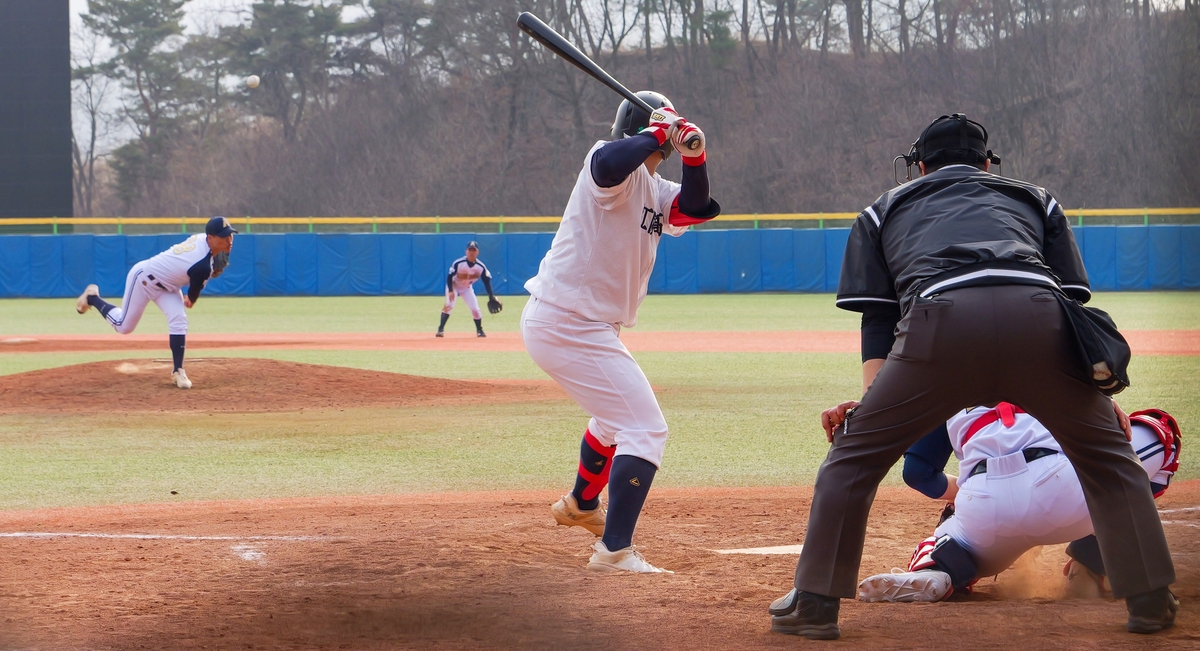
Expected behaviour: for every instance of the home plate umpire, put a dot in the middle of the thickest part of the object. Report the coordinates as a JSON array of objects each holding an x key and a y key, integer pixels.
[{"x": 967, "y": 264}]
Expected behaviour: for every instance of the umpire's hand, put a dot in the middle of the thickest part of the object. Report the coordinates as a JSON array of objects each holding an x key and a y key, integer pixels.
[{"x": 835, "y": 417}]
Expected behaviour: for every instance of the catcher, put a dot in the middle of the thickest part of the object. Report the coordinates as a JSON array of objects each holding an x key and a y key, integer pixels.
[
  {"x": 461, "y": 282},
  {"x": 160, "y": 279},
  {"x": 1018, "y": 491}
]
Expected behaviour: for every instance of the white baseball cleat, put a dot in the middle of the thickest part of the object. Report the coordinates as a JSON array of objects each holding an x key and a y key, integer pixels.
[
  {"x": 82, "y": 305},
  {"x": 925, "y": 586},
  {"x": 181, "y": 380},
  {"x": 566, "y": 512},
  {"x": 622, "y": 560}
]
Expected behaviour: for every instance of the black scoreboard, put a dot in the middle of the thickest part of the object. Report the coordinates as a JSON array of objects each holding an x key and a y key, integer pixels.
[{"x": 35, "y": 109}]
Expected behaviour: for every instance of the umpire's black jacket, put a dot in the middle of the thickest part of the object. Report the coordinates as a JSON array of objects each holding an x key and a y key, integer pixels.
[{"x": 958, "y": 227}]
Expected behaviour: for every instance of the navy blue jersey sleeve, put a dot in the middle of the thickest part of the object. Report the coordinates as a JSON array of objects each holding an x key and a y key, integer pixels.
[
  {"x": 198, "y": 275},
  {"x": 450, "y": 282},
  {"x": 694, "y": 199},
  {"x": 865, "y": 277},
  {"x": 925, "y": 463},
  {"x": 616, "y": 160},
  {"x": 487, "y": 283},
  {"x": 1062, "y": 254}
]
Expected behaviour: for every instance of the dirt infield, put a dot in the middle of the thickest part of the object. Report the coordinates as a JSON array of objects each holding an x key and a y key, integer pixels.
[
  {"x": 222, "y": 384},
  {"x": 1143, "y": 342},
  {"x": 491, "y": 570}
]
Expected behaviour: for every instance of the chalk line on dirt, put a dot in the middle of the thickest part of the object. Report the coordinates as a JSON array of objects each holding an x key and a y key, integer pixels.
[
  {"x": 782, "y": 549},
  {"x": 161, "y": 536}
]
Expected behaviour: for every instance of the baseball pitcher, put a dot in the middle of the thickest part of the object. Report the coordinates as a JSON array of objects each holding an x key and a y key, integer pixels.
[{"x": 160, "y": 279}]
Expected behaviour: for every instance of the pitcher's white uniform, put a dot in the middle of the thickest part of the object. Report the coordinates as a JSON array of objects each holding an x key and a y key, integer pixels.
[
  {"x": 465, "y": 275},
  {"x": 1017, "y": 505},
  {"x": 159, "y": 279},
  {"x": 588, "y": 287}
]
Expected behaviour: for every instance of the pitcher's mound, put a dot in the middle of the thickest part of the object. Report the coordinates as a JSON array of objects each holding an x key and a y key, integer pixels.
[{"x": 242, "y": 385}]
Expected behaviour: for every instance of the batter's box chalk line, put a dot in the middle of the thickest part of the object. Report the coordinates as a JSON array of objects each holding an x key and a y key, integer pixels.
[
  {"x": 782, "y": 549},
  {"x": 166, "y": 536}
]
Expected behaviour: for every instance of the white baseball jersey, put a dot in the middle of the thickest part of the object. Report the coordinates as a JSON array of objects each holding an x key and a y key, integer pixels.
[
  {"x": 171, "y": 266},
  {"x": 600, "y": 262},
  {"x": 466, "y": 273},
  {"x": 981, "y": 433}
]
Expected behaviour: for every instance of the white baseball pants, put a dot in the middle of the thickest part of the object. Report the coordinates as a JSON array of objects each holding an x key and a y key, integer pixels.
[
  {"x": 468, "y": 296},
  {"x": 1017, "y": 505},
  {"x": 590, "y": 363},
  {"x": 140, "y": 290}
]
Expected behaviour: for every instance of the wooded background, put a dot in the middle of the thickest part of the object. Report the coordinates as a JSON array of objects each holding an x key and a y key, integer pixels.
[{"x": 443, "y": 107}]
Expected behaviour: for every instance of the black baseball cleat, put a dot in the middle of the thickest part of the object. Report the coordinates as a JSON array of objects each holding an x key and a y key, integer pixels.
[
  {"x": 480, "y": 334},
  {"x": 1151, "y": 612},
  {"x": 806, "y": 614},
  {"x": 440, "y": 334}
]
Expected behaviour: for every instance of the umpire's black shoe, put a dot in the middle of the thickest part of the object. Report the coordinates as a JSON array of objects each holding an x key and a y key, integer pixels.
[
  {"x": 1151, "y": 612},
  {"x": 811, "y": 615}
]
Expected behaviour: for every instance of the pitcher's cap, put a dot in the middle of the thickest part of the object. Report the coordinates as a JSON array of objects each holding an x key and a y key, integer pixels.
[
  {"x": 473, "y": 245},
  {"x": 219, "y": 227}
]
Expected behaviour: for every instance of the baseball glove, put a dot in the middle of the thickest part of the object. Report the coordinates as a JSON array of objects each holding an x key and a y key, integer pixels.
[
  {"x": 494, "y": 306},
  {"x": 220, "y": 261},
  {"x": 947, "y": 513}
]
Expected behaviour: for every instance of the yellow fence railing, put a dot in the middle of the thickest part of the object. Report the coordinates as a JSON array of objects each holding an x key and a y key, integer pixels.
[{"x": 247, "y": 224}]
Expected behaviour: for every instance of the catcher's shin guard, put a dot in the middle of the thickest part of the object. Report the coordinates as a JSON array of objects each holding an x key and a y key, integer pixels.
[
  {"x": 947, "y": 555},
  {"x": 595, "y": 461}
]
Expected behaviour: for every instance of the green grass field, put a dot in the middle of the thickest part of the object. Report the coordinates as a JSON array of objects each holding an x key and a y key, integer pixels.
[{"x": 736, "y": 419}]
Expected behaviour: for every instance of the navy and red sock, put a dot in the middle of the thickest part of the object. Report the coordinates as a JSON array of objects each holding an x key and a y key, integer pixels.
[{"x": 595, "y": 460}]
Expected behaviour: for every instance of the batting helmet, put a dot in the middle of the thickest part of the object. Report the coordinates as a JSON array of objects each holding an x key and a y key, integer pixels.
[{"x": 631, "y": 119}]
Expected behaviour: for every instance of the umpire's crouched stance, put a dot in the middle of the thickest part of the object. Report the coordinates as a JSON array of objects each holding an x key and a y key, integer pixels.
[{"x": 966, "y": 262}]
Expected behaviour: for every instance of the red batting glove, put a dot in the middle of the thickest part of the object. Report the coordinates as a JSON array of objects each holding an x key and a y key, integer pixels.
[
  {"x": 663, "y": 122},
  {"x": 685, "y": 132}
]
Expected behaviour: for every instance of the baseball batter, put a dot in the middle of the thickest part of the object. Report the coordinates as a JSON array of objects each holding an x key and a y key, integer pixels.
[
  {"x": 1018, "y": 491},
  {"x": 587, "y": 288},
  {"x": 461, "y": 282},
  {"x": 160, "y": 280}
]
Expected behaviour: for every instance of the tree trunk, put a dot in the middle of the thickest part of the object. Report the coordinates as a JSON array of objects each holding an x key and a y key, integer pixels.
[{"x": 854, "y": 26}]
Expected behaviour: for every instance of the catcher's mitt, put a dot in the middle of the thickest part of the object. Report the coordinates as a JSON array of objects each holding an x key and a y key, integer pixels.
[
  {"x": 494, "y": 306},
  {"x": 220, "y": 261},
  {"x": 947, "y": 513}
]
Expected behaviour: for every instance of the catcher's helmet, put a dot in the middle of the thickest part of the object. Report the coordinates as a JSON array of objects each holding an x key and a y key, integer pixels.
[{"x": 631, "y": 119}]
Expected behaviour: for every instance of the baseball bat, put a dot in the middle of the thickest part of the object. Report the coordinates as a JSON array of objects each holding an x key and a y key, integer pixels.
[{"x": 544, "y": 34}]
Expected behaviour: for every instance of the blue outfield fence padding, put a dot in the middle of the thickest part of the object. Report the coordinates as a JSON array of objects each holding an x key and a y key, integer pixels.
[{"x": 1118, "y": 258}]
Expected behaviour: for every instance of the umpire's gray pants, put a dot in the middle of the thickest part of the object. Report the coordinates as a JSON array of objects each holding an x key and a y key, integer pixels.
[{"x": 979, "y": 346}]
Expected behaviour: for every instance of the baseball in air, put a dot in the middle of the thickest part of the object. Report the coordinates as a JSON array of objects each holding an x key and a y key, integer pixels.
[{"x": 252, "y": 81}]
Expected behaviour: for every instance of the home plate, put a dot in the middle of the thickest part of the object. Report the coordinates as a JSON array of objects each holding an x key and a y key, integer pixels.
[{"x": 783, "y": 549}]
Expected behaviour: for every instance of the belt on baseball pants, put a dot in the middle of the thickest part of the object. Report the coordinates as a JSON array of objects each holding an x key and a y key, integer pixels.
[
  {"x": 1029, "y": 453},
  {"x": 160, "y": 285}
]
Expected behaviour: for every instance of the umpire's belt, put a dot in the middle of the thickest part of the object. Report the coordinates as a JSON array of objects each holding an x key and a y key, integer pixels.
[
  {"x": 1029, "y": 453},
  {"x": 160, "y": 285}
]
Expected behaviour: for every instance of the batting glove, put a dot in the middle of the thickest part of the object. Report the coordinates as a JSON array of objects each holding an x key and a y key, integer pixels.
[
  {"x": 692, "y": 153},
  {"x": 663, "y": 123}
]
